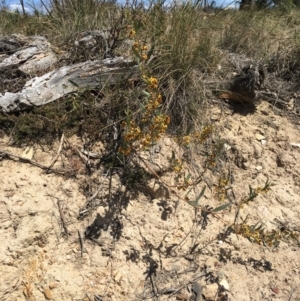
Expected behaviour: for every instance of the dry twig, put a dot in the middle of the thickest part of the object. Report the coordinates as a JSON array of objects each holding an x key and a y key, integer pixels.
[
  {"x": 62, "y": 218},
  {"x": 54, "y": 170},
  {"x": 81, "y": 241},
  {"x": 58, "y": 152}
]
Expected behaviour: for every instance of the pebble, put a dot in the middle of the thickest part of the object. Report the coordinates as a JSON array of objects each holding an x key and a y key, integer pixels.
[
  {"x": 210, "y": 291},
  {"x": 275, "y": 289},
  {"x": 258, "y": 168},
  {"x": 259, "y": 137},
  {"x": 257, "y": 151},
  {"x": 53, "y": 285},
  {"x": 295, "y": 144},
  {"x": 225, "y": 284},
  {"x": 227, "y": 147},
  {"x": 265, "y": 112},
  {"x": 48, "y": 294},
  {"x": 27, "y": 153},
  {"x": 118, "y": 277}
]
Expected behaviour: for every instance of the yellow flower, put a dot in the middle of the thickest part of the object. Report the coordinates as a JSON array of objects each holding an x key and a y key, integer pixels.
[
  {"x": 177, "y": 168},
  {"x": 144, "y": 57},
  {"x": 132, "y": 33},
  {"x": 145, "y": 47},
  {"x": 186, "y": 139},
  {"x": 159, "y": 98},
  {"x": 153, "y": 82}
]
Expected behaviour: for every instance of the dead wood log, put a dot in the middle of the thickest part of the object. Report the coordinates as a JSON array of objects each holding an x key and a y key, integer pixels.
[
  {"x": 67, "y": 79},
  {"x": 32, "y": 54}
]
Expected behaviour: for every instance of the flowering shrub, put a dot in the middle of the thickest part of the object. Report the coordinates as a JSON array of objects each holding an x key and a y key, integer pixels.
[
  {"x": 143, "y": 130},
  {"x": 152, "y": 124}
]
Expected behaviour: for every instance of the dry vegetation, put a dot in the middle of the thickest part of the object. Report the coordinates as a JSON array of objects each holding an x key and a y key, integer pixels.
[
  {"x": 178, "y": 48},
  {"x": 186, "y": 44}
]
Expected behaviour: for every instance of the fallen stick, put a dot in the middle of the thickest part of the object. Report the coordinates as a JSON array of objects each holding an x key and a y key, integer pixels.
[
  {"x": 62, "y": 217},
  {"x": 81, "y": 241},
  {"x": 58, "y": 152},
  {"x": 82, "y": 156},
  {"x": 12, "y": 156},
  {"x": 186, "y": 284}
]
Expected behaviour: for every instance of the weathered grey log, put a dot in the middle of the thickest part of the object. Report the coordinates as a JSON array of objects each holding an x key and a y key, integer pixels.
[
  {"x": 34, "y": 55},
  {"x": 94, "y": 43},
  {"x": 56, "y": 84}
]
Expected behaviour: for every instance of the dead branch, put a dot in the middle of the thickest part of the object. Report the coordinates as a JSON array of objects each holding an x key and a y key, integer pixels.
[
  {"x": 54, "y": 170},
  {"x": 62, "y": 217},
  {"x": 81, "y": 241},
  {"x": 53, "y": 85}
]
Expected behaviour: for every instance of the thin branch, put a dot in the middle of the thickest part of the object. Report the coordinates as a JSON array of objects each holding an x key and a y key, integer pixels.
[
  {"x": 58, "y": 152},
  {"x": 25, "y": 160},
  {"x": 81, "y": 241},
  {"x": 189, "y": 282},
  {"x": 62, "y": 217}
]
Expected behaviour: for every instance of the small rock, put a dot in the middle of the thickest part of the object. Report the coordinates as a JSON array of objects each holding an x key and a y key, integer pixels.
[
  {"x": 245, "y": 165},
  {"x": 48, "y": 294},
  {"x": 118, "y": 277},
  {"x": 225, "y": 284},
  {"x": 227, "y": 147},
  {"x": 275, "y": 289},
  {"x": 53, "y": 285},
  {"x": 210, "y": 291},
  {"x": 258, "y": 168},
  {"x": 265, "y": 112},
  {"x": 259, "y": 137},
  {"x": 263, "y": 141},
  {"x": 257, "y": 151},
  {"x": 27, "y": 153},
  {"x": 295, "y": 144}
]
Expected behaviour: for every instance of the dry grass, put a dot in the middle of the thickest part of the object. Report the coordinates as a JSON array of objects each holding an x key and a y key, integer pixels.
[
  {"x": 187, "y": 43},
  {"x": 186, "y": 46}
]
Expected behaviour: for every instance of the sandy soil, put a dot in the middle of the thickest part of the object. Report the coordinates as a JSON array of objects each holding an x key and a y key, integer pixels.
[{"x": 142, "y": 245}]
